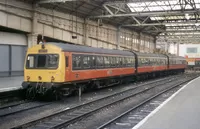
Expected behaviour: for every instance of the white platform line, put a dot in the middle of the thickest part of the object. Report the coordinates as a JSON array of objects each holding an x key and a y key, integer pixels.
[
  {"x": 9, "y": 88},
  {"x": 161, "y": 105}
]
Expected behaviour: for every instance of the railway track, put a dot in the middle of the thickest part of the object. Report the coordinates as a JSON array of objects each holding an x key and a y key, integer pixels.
[
  {"x": 10, "y": 98},
  {"x": 123, "y": 109},
  {"x": 139, "y": 111},
  {"x": 10, "y": 105},
  {"x": 10, "y": 94},
  {"x": 12, "y": 102},
  {"x": 66, "y": 117},
  {"x": 21, "y": 107}
]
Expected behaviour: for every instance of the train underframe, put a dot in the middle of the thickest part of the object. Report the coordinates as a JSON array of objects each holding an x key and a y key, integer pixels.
[{"x": 55, "y": 91}]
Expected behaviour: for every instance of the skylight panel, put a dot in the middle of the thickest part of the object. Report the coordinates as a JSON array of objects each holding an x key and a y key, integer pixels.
[
  {"x": 188, "y": 7},
  {"x": 197, "y": 1},
  {"x": 139, "y": 9},
  {"x": 156, "y": 8},
  {"x": 173, "y": 2},
  {"x": 152, "y": 3},
  {"x": 176, "y": 7},
  {"x": 160, "y": 5},
  {"x": 198, "y": 5},
  {"x": 166, "y": 7},
  {"x": 186, "y": 33}
]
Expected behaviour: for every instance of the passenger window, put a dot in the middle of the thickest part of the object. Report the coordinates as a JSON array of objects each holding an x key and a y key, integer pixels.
[
  {"x": 93, "y": 61},
  {"x": 100, "y": 62},
  {"x": 117, "y": 61},
  {"x": 120, "y": 62},
  {"x": 76, "y": 61},
  {"x": 113, "y": 61},
  {"x": 107, "y": 62},
  {"x": 86, "y": 62},
  {"x": 128, "y": 61},
  {"x": 143, "y": 61},
  {"x": 132, "y": 62},
  {"x": 139, "y": 61},
  {"x": 125, "y": 61}
]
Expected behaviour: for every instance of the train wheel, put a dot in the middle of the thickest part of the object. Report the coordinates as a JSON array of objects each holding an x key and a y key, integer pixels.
[{"x": 53, "y": 94}]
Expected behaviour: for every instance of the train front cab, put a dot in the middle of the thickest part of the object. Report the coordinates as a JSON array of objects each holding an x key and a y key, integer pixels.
[{"x": 43, "y": 68}]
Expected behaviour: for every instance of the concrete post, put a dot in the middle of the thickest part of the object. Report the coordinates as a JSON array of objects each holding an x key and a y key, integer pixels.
[
  {"x": 118, "y": 37},
  {"x": 154, "y": 44},
  {"x": 178, "y": 48},
  {"x": 132, "y": 36},
  {"x": 149, "y": 46},
  {"x": 85, "y": 32},
  {"x": 139, "y": 42},
  {"x": 144, "y": 47},
  {"x": 32, "y": 38}
]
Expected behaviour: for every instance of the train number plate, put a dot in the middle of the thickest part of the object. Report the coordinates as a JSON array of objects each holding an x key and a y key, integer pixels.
[{"x": 42, "y": 51}]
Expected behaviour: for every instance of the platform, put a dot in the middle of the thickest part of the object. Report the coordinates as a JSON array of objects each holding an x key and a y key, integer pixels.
[
  {"x": 10, "y": 83},
  {"x": 180, "y": 111}
]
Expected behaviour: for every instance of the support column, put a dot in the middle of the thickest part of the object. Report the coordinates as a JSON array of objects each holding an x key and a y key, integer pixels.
[
  {"x": 85, "y": 33},
  {"x": 139, "y": 42},
  {"x": 118, "y": 37},
  {"x": 166, "y": 47},
  {"x": 144, "y": 47},
  {"x": 178, "y": 48},
  {"x": 154, "y": 44},
  {"x": 32, "y": 38},
  {"x": 149, "y": 46},
  {"x": 132, "y": 36}
]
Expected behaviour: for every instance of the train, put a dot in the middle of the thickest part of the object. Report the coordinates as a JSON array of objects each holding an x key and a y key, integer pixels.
[
  {"x": 55, "y": 69},
  {"x": 193, "y": 63}
]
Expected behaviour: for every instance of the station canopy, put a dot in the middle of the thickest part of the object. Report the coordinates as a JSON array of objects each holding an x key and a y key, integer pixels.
[{"x": 168, "y": 20}]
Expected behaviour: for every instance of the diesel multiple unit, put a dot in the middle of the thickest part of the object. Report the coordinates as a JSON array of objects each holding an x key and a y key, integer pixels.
[{"x": 55, "y": 68}]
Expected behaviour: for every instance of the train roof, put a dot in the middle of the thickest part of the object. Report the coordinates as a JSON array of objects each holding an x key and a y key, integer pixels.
[
  {"x": 86, "y": 49},
  {"x": 177, "y": 57},
  {"x": 150, "y": 55}
]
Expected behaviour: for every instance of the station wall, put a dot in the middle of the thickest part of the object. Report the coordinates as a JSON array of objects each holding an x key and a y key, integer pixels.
[
  {"x": 51, "y": 23},
  {"x": 12, "y": 53},
  {"x": 190, "y": 50}
]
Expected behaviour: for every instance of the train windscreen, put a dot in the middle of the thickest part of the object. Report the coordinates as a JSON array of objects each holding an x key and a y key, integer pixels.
[{"x": 42, "y": 61}]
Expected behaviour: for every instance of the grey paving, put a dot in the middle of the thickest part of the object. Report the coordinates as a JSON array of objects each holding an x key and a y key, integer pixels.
[
  {"x": 10, "y": 83},
  {"x": 181, "y": 112}
]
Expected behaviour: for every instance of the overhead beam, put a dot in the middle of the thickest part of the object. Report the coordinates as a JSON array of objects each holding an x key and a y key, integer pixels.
[
  {"x": 108, "y": 9},
  {"x": 179, "y": 35},
  {"x": 129, "y": 1},
  {"x": 154, "y": 13},
  {"x": 180, "y": 38},
  {"x": 177, "y": 40},
  {"x": 182, "y": 31},
  {"x": 117, "y": 8},
  {"x": 56, "y": 1},
  {"x": 169, "y": 24}
]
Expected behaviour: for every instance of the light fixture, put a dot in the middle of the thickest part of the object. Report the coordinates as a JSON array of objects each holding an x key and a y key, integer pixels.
[
  {"x": 196, "y": 24},
  {"x": 187, "y": 16}
]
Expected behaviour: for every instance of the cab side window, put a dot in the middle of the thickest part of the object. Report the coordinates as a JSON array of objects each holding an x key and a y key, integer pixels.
[{"x": 66, "y": 61}]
